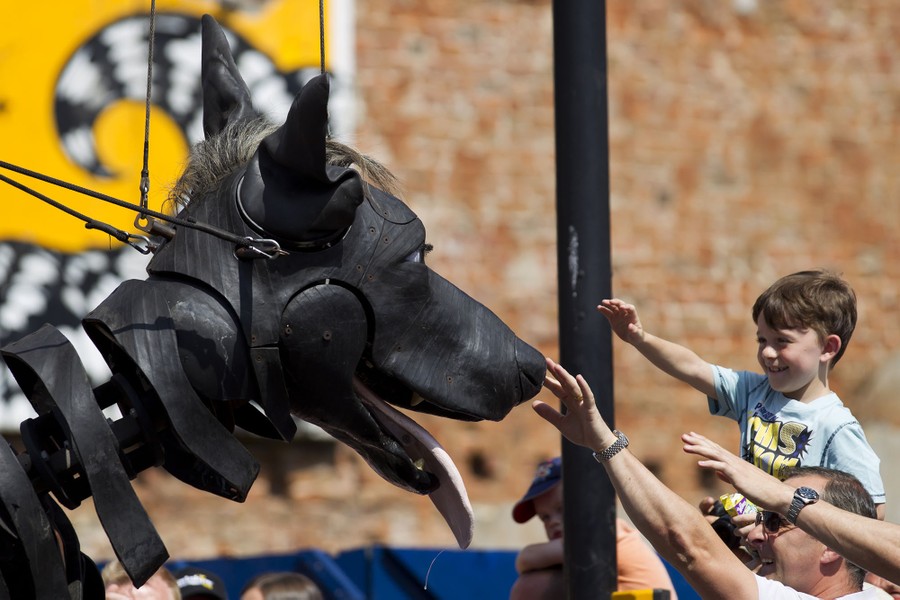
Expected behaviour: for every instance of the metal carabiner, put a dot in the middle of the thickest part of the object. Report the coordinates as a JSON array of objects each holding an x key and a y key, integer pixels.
[
  {"x": 141, "y": 243},
  {"x": 250, "y": 250}
]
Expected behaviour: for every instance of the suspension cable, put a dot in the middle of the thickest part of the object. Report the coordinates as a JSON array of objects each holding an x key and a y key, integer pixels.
[
  {"x": 322, "y": 35},
  {"x": 140, "y": 219}
]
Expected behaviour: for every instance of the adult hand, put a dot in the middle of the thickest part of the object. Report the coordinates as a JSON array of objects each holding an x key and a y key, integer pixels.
[
  {"x": 582, "y": 423},
  {"x": 761, "y": 488},
  {"x": 707, "y": 506},
  {"x": 891, "y": 588}
]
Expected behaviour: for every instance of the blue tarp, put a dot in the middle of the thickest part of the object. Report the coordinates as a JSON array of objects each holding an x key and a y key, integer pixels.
[{"x": 383, "y": 573}]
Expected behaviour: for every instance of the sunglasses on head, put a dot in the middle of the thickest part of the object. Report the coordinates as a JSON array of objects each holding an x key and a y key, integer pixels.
[{"x": 772, "y": 522}]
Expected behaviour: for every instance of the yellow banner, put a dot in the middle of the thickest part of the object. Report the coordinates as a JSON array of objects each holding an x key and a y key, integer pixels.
[{"x": 72, "y": 87}]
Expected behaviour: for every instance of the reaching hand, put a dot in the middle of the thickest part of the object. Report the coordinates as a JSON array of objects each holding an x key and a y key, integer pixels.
[
  {"x": 582, "y": 423},
  {"x": 623, "y": 319},
  {"x": 761, "y": 488},
  {"x": 706, "y": 505}
]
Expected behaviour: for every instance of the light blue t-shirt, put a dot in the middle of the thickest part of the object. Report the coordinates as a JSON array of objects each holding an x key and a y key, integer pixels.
[{"x": 778, "y": 432}]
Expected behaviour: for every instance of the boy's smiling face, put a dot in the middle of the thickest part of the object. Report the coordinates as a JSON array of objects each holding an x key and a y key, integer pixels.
[{"x": 795, "y": 360}]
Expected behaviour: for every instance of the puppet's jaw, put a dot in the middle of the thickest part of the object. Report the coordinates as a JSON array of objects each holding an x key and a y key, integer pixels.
[{"x": 450, "y": 497}]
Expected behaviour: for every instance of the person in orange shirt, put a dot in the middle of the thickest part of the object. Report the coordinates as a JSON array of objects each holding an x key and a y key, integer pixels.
[{"x": 540, "y": 565}]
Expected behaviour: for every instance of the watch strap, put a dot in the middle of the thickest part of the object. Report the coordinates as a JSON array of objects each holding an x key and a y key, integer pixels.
[
  {"x": 610, "y": 451},
  {"x": 803, "y": 496}
]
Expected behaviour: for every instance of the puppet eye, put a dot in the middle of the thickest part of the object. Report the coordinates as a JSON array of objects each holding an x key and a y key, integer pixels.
[{"x": 418, "y": 255}]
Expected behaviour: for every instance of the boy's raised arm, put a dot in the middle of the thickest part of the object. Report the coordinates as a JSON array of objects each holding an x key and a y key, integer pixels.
[{"x": 671, "y": 358}]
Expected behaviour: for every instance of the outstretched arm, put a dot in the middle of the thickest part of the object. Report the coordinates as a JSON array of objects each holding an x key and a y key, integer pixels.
[
  {"x": 673, "y": 526},
  {"x": 872, "y": 544},
  {"x": 671, "y": 358}
]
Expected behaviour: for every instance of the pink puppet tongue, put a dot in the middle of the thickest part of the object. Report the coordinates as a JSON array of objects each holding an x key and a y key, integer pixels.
[{"x": 450, "y": 497}]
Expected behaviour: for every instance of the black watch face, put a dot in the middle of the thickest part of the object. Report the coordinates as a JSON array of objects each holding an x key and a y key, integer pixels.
[{"x": 807, "y": 493}]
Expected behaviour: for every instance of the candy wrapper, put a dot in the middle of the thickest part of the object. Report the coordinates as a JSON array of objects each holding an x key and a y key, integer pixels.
[{"x": 736, "y": 504}]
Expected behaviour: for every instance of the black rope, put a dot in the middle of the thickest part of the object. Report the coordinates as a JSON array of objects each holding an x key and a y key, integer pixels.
[
  {"x": 144, "y": 247},
  {"x": 118, "y": 233},
  {"x": 322, "y": 35}
]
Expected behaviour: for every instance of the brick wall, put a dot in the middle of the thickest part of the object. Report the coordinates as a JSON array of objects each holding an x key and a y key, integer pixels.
[{"x": 748, "y": 139}]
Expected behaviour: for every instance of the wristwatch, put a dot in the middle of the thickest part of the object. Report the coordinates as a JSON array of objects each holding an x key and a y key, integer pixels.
[
  {"x": 610, "y": 451},
  {"x": 802, "y": 497}
]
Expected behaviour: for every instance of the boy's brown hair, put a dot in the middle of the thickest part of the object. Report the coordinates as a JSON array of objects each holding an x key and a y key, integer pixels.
[{"x": 819, "y": 300}]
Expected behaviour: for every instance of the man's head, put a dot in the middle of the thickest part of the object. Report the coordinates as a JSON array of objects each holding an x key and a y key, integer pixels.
[
  {"x": 544, "y": 498},
  {"x": 281, "y": 584},
  {"x": 818, "y": 300},
  {"x": 796, "y": 559}
]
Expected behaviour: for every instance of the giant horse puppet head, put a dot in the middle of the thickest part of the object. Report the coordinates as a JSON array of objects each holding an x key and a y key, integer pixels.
[
  {"x": 350, "y": 319},
  {"x": 358, "y": 319},
  {"x": 331, "y": 315}
]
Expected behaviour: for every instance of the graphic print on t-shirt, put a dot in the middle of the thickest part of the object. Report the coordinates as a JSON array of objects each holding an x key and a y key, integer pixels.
[{"x": 773, "y": 444}]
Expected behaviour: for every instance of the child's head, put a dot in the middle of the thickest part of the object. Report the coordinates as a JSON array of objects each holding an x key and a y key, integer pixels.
[
  {"x": 818, "y": 300},
  {"x": 544, "y": 498}
]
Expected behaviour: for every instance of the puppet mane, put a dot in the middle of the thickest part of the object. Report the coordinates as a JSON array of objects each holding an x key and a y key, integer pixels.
[{"x": 214, "y": 159}]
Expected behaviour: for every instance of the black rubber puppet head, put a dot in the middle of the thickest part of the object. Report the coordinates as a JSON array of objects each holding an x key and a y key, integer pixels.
[{"x": 351, "y": 320}]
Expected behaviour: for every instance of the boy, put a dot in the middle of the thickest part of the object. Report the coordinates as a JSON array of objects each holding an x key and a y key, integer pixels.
[
  {"x": 788, "y": 416},
  {"x": 540, "y": 565}
]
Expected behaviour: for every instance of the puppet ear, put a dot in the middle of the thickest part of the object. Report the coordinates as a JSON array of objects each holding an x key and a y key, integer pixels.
[
  {"x": 226, "y": 98},
  {"x": 299, "y": 145},
  {"x": 288, "y": 190}
]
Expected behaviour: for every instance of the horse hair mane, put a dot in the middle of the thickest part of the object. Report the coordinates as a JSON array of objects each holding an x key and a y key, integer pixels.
[{"x": 213, "y": 159}]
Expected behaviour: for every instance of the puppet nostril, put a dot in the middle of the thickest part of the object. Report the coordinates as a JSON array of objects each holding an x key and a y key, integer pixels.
[{"x": 532, "y": 369}]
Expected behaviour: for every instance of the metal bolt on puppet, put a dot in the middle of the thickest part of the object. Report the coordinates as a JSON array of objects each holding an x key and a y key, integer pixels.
[{"x": 332, "y": 319}]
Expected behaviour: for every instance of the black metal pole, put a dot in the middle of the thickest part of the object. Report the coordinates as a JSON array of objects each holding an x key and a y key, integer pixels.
[{"x": 584, "y": 273}]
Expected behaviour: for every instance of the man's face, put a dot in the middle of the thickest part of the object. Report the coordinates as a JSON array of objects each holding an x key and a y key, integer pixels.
[
  {"x": 790, "y": 555},
  {"x": 549, "y": 509}
]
